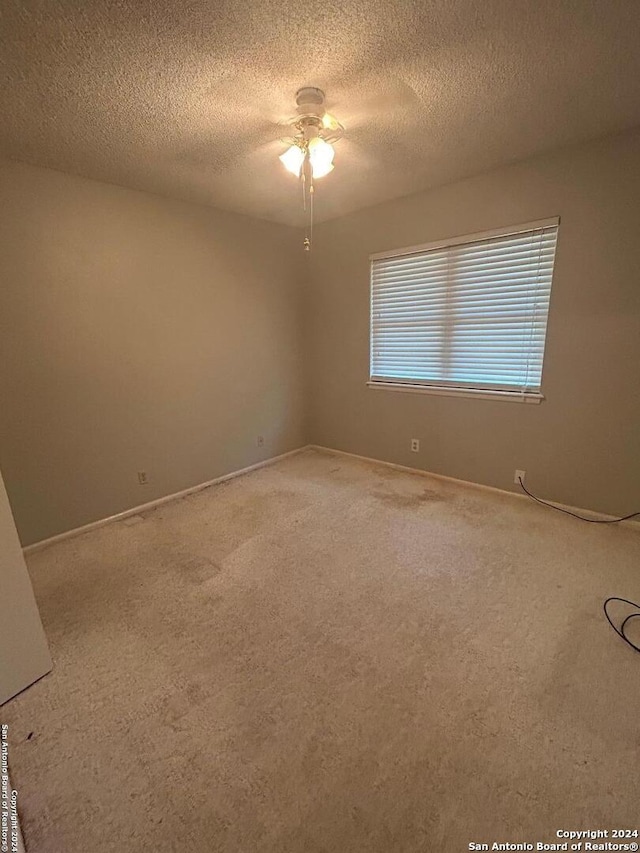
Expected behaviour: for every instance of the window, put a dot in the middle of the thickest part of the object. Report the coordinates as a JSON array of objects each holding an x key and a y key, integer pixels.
[{"x": 467, "y": 315}]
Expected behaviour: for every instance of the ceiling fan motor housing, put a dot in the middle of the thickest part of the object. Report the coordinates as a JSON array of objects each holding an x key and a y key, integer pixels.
[{"x": 310, "y": 101}]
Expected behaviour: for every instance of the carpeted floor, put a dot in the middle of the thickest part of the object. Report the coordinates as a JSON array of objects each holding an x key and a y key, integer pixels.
[{"x": 328, "y": 655}]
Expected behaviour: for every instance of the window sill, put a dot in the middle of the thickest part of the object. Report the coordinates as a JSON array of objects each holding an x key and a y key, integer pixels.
[{"x": 478, "y": 393}]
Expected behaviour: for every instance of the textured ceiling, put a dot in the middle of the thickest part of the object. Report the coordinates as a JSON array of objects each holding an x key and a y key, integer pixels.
[{"x": 186, "y": 98}]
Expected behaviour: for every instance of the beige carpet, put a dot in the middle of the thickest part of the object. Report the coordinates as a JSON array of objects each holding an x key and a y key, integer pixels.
[{"x": 326, "y": 656}]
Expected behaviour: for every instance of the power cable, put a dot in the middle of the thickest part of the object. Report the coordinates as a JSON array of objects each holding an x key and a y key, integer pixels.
[
  {"x": 575, "y": 514},
  {"x": 619, "y": 631}
]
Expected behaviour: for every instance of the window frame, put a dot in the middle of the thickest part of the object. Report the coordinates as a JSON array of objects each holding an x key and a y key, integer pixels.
[{"x": 420, "y": 387}]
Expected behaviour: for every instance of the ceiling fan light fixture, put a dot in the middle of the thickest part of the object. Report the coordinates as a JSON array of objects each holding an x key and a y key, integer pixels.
[
  {"x": 321, "y": 155},
  {"x": 292, "y": 159},
  {"x": 329, "y": 122},
  {"x": 310, "y": 153}
]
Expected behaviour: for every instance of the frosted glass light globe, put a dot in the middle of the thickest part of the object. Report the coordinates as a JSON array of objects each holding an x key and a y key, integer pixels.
[
  {"x": 321, "y": 156},
  {"x": 292, "y": 159}
]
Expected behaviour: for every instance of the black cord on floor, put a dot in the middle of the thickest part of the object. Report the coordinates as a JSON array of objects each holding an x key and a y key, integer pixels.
[
  {"x": 620, "y": 631},
  {"x": 575, "y": 514}
]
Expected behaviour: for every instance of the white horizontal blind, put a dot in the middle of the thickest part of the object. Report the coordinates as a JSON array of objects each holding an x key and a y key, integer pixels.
[{"x": 468, "y": 315}]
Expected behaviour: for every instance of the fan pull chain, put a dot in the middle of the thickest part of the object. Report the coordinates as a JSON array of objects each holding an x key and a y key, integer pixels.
[
  {"x": 311, "y": 192},
  {"x": 307, "y": 189}
]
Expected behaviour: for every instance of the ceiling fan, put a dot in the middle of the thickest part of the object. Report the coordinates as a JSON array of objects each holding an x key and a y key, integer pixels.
[{"x": 310, "y": 153}]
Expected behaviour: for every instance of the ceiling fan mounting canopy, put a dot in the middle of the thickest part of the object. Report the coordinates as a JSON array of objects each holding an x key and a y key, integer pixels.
[{"x": 312, "y": 119}]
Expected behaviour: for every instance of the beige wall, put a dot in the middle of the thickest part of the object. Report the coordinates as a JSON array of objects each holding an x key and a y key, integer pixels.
[
  {"x": 581, "y": 445},
  {"x": 137, "y": 333},
  {"x": 140, "y": 333}
]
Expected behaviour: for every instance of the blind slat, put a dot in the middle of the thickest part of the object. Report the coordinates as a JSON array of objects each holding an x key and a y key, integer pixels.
[
  {"x": 473, "y": 314},
  {"x": 511, "y": 259}
]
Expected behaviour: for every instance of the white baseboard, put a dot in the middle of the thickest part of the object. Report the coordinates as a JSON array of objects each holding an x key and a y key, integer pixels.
[
  {"x": 93, "y": 525},
  {"x": 77, "y": 531},
  {"x": 598, "y": 516}
]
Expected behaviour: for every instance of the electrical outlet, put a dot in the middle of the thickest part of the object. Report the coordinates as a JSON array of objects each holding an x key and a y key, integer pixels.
[
  {"x": 260, "y": 441},
  {"x": 142, "y": 478},
  {"x": 519, "y": 475},
  {"x": 415, "y": 445}
]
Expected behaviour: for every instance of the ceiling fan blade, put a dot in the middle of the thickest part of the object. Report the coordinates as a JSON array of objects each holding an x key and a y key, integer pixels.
[
  {"x": 374, "y": 99},
  {"x": 251, "y": 113}
]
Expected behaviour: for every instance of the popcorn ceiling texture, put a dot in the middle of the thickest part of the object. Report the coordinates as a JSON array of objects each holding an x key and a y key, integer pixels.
[{"x": 188, "y": 99}]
